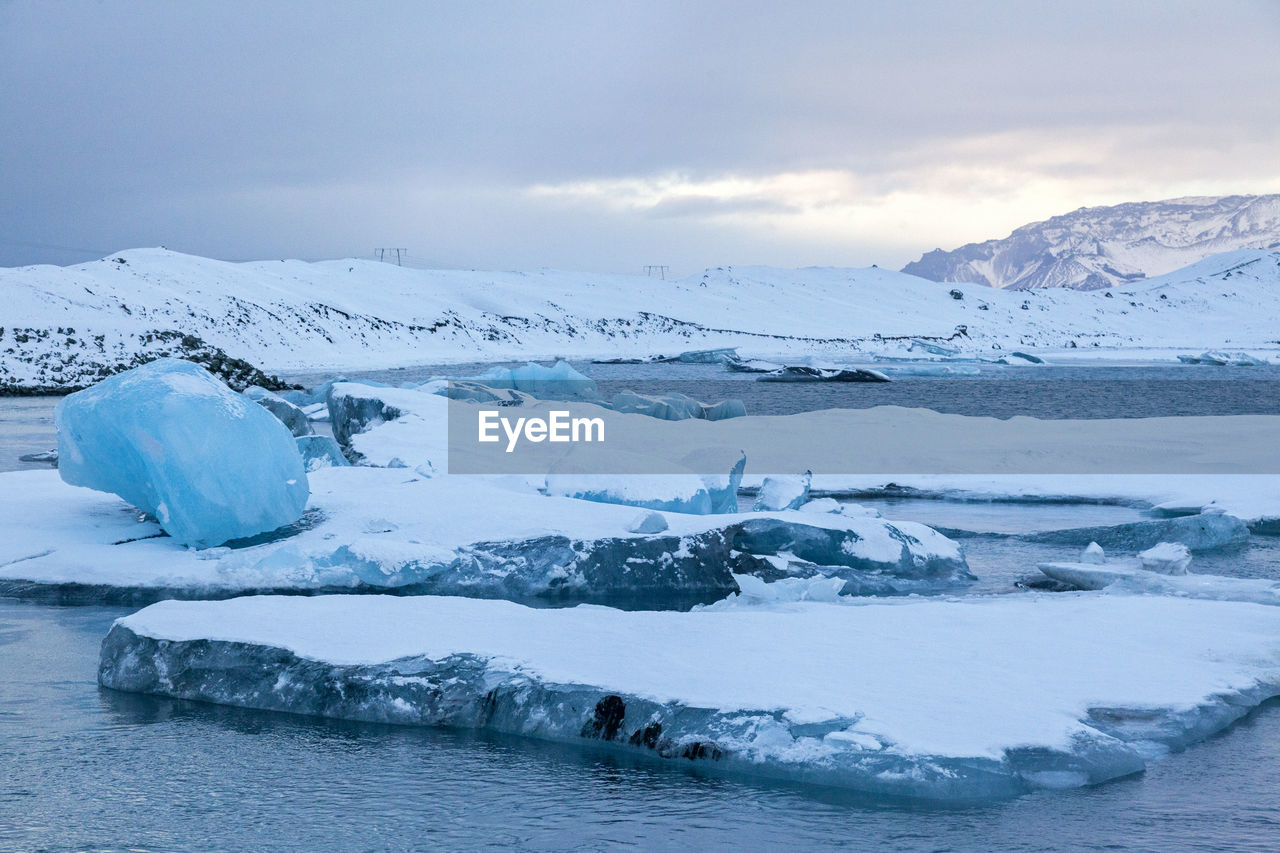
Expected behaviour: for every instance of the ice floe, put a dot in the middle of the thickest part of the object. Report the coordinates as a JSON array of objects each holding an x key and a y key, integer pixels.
[
  {"x": 394, "y": 528},
  {"x": 1202, "y": 532},
  {"x": 939, "y": 699}
]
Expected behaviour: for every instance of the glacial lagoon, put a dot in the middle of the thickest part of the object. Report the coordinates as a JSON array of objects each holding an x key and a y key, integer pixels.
[{"x": 154, "y": 773}]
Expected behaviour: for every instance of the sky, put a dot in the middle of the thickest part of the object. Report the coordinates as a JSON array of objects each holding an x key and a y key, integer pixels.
[{"x": 607, "y": 136}]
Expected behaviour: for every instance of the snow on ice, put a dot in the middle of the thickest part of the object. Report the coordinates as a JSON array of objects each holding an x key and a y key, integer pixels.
[
  {"x": 393, "y": 528},
  {"x": 940, "y": 699}
]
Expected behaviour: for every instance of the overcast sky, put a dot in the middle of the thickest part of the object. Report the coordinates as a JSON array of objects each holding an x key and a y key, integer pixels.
[{"x": 608, "y": 135}]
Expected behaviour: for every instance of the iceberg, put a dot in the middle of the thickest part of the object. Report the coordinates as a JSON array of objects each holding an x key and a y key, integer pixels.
[
  {"x": 290, "y": 415},
  {"x": 805, "y": 373},
  {"x": 174, "y": 441},
  {"x": 1208, "y": 530},
  {"x": 320, "y": 451},
  {"x": 931, "y": 699},
  {"x": 356, "y": 408},
  {"x": 707, "y": 356},
  {"x": 1167, "y": 558},
  {"x": 723, "y": 488},
  {"x": 778, "y": 493},
  {"x": 750, "y": 365},
  {"x": 559, "y": 382}
]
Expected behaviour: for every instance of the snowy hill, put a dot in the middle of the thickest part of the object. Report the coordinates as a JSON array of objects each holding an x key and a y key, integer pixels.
[
  {"x": 66, "y": 326},
  {"x": 1097, "y": 247}
]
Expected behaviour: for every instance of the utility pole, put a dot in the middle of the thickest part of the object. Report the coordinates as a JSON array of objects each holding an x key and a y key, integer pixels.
[
  {"x": 382, "y": 254},
  {"x": 660, "y": 270}
]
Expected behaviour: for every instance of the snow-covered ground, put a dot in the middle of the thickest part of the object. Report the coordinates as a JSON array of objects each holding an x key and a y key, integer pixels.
[
  {"x": 947, "y": 699},
  {"x": 64, "y": 325}
]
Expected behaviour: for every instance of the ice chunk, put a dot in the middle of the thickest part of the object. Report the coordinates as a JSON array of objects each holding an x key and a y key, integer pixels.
[
  {"x": 1093, "y": 554},
  {"x": 871, "y": 553},
  {"x": 707, "y": 356},
  {"x": 822, "y": 505},
  {"x": 1129, "y": 576},
  {"x": 289, "y": 414},
  {"x": 1210, "y": 529},
  {"x": 355, "y": 408},
  {"x": 648, "y": 522},
  {"x": 1174, "y": 509},
  {"x": 722, "y": 488},
  {"x": 940, "y": 699},
  {"x": 560, "y": 382},
  {"x": 805, "y": 373},
  {"x": 311, "y": 396},
  {"x": 1167, "y": 558},
  {"x": 778, "y": 493},
  {"x": 318, "y": 412},
  {"x": 752, "y": 365},
  {"x": 174, "y": 441},
  {"x": 320, "y": 451}
]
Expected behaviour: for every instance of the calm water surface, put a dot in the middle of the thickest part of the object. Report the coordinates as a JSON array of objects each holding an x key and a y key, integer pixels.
[{"x": 87, "y": 769}]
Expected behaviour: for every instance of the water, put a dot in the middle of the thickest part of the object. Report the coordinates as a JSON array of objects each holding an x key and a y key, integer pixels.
[
  {"x": 1044, "y": 391},
  {"x": 88, "y": 769},
  {"x": 26, "y": 426},
  {"x": 85, "y": 768}
]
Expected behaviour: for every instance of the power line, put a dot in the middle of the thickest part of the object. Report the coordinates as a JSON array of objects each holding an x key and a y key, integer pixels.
[{"x": 382, "y": 254}]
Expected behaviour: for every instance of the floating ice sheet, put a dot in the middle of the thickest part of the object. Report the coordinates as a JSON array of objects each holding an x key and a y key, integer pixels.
[{"x": 936, "y": 699}]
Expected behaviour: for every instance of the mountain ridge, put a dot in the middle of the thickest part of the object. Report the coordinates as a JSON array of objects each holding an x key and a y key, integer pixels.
[{"x": 1093, "y": 248}]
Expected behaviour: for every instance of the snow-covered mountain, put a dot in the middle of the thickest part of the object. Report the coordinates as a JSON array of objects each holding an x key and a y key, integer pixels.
[
  {"x": 1098, "y": 247},
  {"x": 66, "y": 327}
]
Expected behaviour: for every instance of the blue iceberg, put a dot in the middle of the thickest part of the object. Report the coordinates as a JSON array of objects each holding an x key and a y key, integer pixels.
[
  {"x": 560, "y": 382},
  {"x": 170, "y": 438}
]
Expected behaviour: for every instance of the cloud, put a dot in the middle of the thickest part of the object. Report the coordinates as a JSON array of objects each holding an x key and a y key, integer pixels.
[{"x": 609, "y": 135}]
